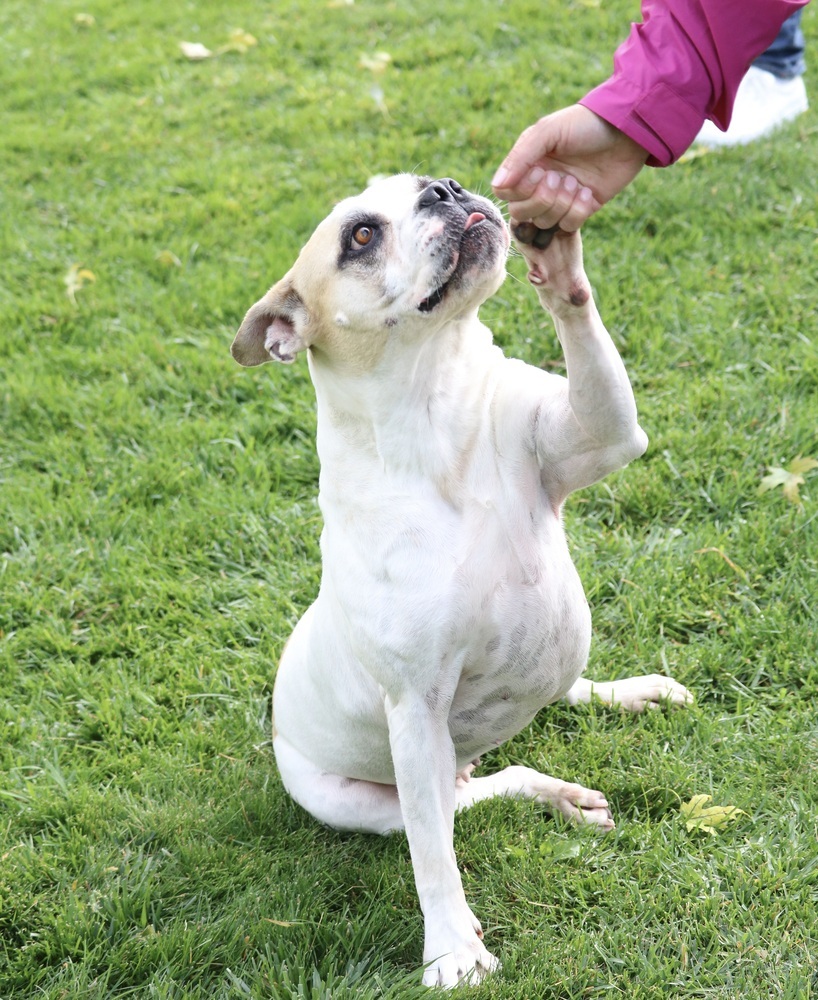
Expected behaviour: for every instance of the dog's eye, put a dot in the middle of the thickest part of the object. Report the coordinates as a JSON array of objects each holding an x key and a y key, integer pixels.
[{"x": 363, "y": 235}]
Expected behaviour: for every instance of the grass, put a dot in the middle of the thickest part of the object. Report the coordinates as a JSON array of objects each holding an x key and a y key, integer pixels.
[{"x": 159, "y": 529}]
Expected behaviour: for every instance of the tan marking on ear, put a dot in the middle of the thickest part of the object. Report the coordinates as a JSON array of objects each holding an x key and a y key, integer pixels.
[
  {"x": 273, "y": 328},
  {"x": 335, "y": 338}
]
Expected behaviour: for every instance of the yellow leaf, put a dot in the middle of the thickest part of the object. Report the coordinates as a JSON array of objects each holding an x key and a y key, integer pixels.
[
  {"x": 801, "y": 464},
  {"x": 789, "y": 478},
  {"x": 239, "y": 41},
  {"x": 710, "y": 819},
  {"x": 695, "y": 153},
  {"x": 195, "y": 51},
  {"x": 168, "y": 259},
  {"x": 85, "y": 20},
  {"x": 376, "y": 62},
  {"x": 75, "y": 278}
]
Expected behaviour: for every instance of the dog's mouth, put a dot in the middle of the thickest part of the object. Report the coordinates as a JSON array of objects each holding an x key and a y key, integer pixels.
[
  {"x": 429, "y": 303},
  {"x": 439, "y": 294}
]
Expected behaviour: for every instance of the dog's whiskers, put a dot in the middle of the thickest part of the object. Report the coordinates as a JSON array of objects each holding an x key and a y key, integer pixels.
[{"x": 514, "y": 277}]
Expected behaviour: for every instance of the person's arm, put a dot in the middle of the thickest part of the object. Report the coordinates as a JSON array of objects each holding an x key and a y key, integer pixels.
[{"x": 682, "y": 64}]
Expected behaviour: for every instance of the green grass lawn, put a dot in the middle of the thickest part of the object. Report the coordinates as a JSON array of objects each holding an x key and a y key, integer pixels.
[{"x": 159, "y": 527}]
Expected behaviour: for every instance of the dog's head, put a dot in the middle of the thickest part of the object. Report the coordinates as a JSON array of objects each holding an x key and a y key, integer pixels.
[{"x": 401, "y": 259}]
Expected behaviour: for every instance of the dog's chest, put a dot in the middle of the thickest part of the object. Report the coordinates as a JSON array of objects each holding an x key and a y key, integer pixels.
[{"x": 480, "y": 604}]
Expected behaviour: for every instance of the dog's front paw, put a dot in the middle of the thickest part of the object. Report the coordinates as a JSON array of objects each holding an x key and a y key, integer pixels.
[
  {"x": 454, "y": 953},
  {"x": 555, "y": 268},
  {"x": 527, "y": 234}
]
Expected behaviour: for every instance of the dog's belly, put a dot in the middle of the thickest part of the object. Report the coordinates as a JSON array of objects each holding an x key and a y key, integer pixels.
[
  {"x": 527, "y": 654},
  {"x": 501, "y": 633}
]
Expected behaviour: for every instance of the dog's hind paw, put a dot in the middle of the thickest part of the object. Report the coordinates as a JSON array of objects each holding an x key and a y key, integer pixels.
[
  {"x": 633, "y": 694},
  {"x": 574, "y": 802},
  {"x": 580, "y": 805}
]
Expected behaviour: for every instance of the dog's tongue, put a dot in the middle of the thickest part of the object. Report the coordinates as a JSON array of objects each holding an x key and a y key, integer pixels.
[{"x": 472, "y": 220}]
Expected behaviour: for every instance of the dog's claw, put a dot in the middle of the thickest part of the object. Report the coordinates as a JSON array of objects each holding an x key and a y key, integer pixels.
[{"x": 528, "y": 233}]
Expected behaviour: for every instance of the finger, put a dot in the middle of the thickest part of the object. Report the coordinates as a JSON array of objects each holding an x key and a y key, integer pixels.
[
  {"x": 547, "y": 200},
  {"x": 526, "y": 188},
  {"x": 579, "y": 211},
  {"x": 525, "y": 153}
]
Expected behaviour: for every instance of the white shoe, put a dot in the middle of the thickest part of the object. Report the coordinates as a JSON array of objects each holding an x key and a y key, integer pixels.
[{"x": 763, "y": 102}]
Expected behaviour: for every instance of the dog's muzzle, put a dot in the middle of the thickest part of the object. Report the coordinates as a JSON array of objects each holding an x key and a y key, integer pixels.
[{"x": 462, "y": 212}]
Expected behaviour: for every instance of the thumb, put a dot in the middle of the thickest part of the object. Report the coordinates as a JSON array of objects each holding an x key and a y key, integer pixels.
[{"x": 532, "y": 146}]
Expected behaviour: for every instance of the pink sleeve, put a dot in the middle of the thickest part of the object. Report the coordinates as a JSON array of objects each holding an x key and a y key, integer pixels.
[{"x": 684, "y": 64}]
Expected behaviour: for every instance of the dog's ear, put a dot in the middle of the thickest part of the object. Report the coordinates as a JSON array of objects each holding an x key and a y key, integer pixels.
[{"x": 270, "y": 330}]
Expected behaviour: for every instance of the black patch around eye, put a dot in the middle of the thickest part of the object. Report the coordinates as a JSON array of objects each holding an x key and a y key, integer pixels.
[{"x": 352, "y": 251}]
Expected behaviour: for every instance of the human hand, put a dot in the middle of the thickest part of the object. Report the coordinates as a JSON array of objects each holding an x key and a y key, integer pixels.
[{"x": 565, "y": 167}]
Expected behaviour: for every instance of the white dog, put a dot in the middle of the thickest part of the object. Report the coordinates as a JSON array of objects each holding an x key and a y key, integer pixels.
[{"x": 449, "y": 611}]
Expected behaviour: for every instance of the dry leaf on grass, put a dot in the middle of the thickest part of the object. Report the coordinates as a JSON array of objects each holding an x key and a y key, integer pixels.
[
  {"x": 375, "y": 62},
  {"x": 76, "y": 277},
  {"x": 167, "y": 258},
  {"x": 789, "y": 478},
  {"x": 709, "y": 819},
  {"x": 239, "y": 41},
  {"x": 195, "y": 51}
]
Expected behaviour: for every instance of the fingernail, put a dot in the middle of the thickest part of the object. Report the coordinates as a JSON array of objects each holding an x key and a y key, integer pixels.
[
  {"x": 552, "y": 179},
  {"x": 536, "y": 175},
  {"x": 499, "y": 178}
]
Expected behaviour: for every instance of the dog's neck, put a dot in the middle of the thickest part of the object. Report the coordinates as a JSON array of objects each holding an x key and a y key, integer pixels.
[{"x": 391, "y": 415}]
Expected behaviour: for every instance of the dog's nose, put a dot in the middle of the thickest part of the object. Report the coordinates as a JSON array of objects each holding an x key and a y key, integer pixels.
[{"x": 444, "y": 189}]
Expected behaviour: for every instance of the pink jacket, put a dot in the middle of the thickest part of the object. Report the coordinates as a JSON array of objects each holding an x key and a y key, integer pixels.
[{"x": 684, "y": 64}]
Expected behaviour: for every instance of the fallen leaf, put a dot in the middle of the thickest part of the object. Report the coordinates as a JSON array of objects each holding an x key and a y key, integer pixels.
[
  {"x": 380, "y": 102},
  {"x": 195, "y": 51},
  {"x": 375, "y": 62},
  {"x": 76, "y": 278},
  {"x": 84, "y": 20},
  {"x": 710, "y": 819},
  {"x": 789, "y": 478},
  {"x": 168, "y": 259},
  {"x": 239, "y": 41},
  {"x": 695, "y": 153}
]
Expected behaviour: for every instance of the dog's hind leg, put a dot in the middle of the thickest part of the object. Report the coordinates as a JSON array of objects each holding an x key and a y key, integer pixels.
[
  {"x": 579, "y": 804},
  {"x": 632, "y": 694},
  {"x": 343, "y": 803}
]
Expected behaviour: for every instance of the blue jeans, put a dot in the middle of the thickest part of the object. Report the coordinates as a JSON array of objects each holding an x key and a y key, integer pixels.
[{"x": 785, "y": 57}]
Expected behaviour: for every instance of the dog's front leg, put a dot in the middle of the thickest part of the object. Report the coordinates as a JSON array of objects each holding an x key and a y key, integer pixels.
[
  {"x": 597, "y": 431},
  {"x": 424, "y": 762}
]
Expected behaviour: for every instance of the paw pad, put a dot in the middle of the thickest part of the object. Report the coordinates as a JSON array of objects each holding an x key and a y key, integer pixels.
[{"x": 528, "y": 233}]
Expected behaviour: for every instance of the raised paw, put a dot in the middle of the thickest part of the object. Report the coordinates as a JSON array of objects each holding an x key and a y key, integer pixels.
[
  {"x": 528, "y": 233},
  {"x": 455, "y": 953},
  {"x": 555, "y": 268}
]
